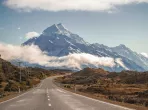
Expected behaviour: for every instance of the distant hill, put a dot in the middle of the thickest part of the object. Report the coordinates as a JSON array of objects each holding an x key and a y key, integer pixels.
[
  {"x": 91, "y": 76},
  {"x": 91, "y": 72},
  {"x": 125, "y": 86}
]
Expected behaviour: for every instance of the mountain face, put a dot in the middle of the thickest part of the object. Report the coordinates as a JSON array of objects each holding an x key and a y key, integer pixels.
[
  {"x": 129, "y": 54},
  {"x": 56, "y": 40}
]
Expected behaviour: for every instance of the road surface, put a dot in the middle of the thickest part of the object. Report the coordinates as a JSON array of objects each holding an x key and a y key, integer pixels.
[{"x": 48, "y": 96}]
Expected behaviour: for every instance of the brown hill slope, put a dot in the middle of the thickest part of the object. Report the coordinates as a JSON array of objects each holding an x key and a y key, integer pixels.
[
  {"x": 10, "y": 77},
  {"x": 126, "y": 86},
  {"x": 86, "y": 76},
  {"x": 91, "y": 72}
]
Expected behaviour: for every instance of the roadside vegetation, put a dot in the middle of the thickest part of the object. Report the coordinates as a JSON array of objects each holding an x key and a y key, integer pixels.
[
  {"x": 10, "y": 78},
  {"x": 126, "y": 86}
]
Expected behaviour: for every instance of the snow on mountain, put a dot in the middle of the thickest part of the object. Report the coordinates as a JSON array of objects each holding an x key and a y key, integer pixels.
[
  {"x": 57, "y": 40},
  {"x": 131, "y": 55},
  {"x": 144, "y": 54}
]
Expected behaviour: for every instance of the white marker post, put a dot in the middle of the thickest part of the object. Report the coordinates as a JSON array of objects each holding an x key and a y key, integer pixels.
[
  {"x": 19, "y": 90},
  {"x": 75, "y": 88}
]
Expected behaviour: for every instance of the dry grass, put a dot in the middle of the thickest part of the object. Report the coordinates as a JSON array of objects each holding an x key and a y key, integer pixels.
[{"x": 126, "y": 87}]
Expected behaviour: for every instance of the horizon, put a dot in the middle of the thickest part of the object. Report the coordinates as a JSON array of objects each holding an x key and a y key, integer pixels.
[{"x": 56, "y": 53}]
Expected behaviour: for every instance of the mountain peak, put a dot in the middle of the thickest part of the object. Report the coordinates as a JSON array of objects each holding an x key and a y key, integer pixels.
[
  {"x": 56, "y": 28},
  {"x": 60, "y": 24},
  {"x": 61, "y": 27},
  {"x": 121, "y": 46}
]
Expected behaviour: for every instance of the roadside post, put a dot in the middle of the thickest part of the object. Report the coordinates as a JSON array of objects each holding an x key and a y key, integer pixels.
[
  {"x": 75, "y": 88},
  {"x": 19, "y": 89}
]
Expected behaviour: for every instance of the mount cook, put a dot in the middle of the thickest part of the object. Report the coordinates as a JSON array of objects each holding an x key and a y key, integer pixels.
[{"x": 58, "y": 41}]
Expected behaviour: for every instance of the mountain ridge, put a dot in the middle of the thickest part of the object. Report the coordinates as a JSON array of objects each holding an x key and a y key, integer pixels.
[{"x": 58, "y": 41}]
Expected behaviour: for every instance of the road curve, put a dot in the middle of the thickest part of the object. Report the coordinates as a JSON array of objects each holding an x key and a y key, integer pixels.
[{"x": 48, "y": 96}]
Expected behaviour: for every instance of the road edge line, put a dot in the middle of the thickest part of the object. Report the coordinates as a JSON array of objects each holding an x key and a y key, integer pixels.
[
  {"x": 19, "y": 95},
  {"x": 95, "y": 99}
]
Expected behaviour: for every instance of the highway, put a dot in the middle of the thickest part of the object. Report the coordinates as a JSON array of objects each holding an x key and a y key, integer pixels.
[{"x": 47, "y": 96}]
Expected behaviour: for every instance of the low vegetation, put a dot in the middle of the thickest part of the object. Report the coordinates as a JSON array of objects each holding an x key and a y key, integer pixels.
[
  {"x": 10, "y": 77},
  {"x": 126, "y": 86}
]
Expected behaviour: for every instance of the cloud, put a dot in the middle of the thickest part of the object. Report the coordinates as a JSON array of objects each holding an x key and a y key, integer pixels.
[
  {"x": 144, "y": 54},
  {"x": 119, "y": 61},
  {"x": 31, "y": 35},
  {"x": 61, "y": 5},
  {"x": 77, "y": 60},
  {"x": 34, "y": 55},
  {"x": 18, "y": 28},
  {"x": 31, "y": 54}
]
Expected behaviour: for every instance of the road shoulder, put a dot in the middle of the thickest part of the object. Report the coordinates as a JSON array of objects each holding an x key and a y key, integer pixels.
[{"x": 136, "y": 107}]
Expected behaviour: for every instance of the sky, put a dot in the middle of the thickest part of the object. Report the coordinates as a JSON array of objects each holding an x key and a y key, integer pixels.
[{"x": 108, "y": 22}]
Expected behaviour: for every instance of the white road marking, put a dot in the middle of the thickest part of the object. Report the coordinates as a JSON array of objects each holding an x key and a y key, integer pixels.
[
  {"x": 39, "y": 91},
  {"x": 104, "y": 102},
  {"x": 21, "y": 94},
  {"x": 20, "y": 101},
  {"x": 16, "y": 97},
  {"x": 98, "y": 100},
  {"x": 23, "y": 100},
  {"x": 49, "y": 105},
  {"x": 73, "y": 103},
  {"x": 60, "y": 91}
]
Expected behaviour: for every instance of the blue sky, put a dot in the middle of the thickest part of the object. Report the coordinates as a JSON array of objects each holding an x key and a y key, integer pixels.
[{"x": 121, "y": 24}]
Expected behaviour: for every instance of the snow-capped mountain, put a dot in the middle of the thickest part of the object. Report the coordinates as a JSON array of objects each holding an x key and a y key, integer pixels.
[
  {"x": 131, "y": 55},
  {"x": 57, "y": 40},
  {"x": 144, "y": 54}
]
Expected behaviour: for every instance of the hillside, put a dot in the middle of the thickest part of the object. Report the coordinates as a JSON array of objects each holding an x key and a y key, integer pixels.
[
  {"x": 91, "y": 72},
  {"x": 10, "y": 77},
  {"x": 126, "y": 86}
]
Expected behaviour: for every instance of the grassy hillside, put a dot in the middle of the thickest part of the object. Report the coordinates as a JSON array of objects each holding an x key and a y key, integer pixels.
[
  {"x": 10, "y": 77},
  {"x": 126, "y": 86}
]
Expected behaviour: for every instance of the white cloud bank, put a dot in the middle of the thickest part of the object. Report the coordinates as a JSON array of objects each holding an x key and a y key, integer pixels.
[
  {"x": 34, "y": 55},
  {"x": 119, "y": 61},
  {"x": 60, "y": 5},
  {"x": 31, "y": 35},
  {"x": 144, "y": 54}
]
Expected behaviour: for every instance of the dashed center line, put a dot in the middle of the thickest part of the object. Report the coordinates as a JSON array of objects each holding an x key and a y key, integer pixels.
[{"x": 48, "y": 97}]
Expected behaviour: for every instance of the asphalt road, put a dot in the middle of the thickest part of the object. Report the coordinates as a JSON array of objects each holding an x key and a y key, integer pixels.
[{"x": 48, "y": 96}]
